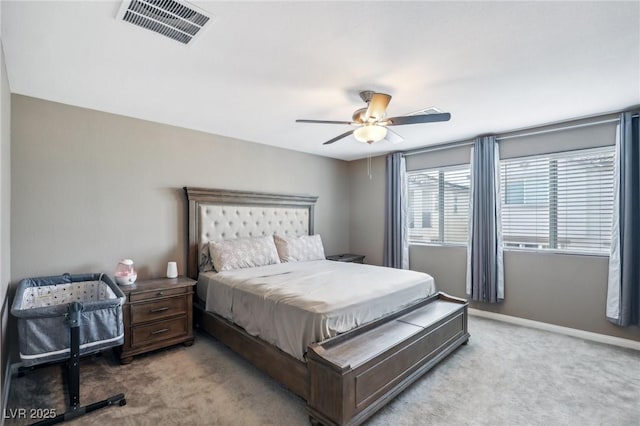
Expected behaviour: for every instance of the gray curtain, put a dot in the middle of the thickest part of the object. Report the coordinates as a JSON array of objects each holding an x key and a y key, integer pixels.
[
  {"x": 485, "y": 275},
  {"x": 396, "y": 240},
  {"x": 623, "y": 293}
]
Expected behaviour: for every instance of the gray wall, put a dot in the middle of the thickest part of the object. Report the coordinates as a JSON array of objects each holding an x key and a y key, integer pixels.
[
  {"x": 90, "y": 188},
  {"x": 366, "y": 221},
  {"x": 560, "y": 289},
  {"x": 566, "y": 290},
  {"x": 5, "y": 219}
]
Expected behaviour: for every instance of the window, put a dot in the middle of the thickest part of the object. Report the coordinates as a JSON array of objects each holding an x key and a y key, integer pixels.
[
  {"x": 439, "y": 205},
  {"x": 560, "y": 202},
  {"x": 526, "y": 191}
]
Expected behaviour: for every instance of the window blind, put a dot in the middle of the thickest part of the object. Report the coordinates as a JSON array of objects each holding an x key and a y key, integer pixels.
[
  {"x": 559, "y": 202},
  {"x": 439, "y": 205}
]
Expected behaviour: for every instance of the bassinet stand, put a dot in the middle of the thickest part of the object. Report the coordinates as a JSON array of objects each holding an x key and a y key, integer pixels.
[{"x": 73, "y": 382}]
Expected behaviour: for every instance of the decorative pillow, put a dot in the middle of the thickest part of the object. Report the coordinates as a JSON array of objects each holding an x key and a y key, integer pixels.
[
  {"x": 243, "y": 253},
  {"x": 298, "y": 249}
]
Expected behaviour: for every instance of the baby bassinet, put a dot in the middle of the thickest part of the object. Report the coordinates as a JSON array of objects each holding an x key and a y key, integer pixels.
[
  {"x": 66, "y": 316},
  {"x": 41, "y": 306}
]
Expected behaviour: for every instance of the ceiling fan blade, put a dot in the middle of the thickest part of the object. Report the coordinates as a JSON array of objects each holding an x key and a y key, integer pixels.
[
  {"x": 377, "y": 106},
  {"x": 417, "y": 119},
  {"x": 337, "y": 138},
  {"x": 323, "y": 121},
  {"x": 393, "y": 137}
]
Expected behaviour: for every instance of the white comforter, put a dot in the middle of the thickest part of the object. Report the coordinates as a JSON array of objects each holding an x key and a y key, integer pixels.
[{"x": 291, "y": 305}]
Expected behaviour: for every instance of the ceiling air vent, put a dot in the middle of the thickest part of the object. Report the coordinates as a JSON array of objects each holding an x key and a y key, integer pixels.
[{"x": 171, "y": 18}]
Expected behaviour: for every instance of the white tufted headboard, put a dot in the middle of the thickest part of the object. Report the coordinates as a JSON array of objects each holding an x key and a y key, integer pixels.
[{"x": 217, "y": 214}]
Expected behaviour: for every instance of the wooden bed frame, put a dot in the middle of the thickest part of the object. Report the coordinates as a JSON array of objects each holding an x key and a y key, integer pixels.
[{"x": 347, "y": 378}]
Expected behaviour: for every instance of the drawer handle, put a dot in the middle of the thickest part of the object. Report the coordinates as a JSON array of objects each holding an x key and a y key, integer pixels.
[
  {"x": 155, "y": 311},
  {"x": 164, "y": 330}
]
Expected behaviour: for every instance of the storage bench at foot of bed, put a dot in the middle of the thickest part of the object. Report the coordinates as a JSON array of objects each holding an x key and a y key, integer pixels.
[{"x": 353, "y": 375}]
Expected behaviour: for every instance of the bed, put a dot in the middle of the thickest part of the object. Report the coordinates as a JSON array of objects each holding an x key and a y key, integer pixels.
[{"x": 346, "y": 351}]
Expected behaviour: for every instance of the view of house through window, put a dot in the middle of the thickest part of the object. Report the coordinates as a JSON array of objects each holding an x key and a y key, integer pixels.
[
  {"x": 561, "y": 202},
  {"x": 439, "y": 205}
]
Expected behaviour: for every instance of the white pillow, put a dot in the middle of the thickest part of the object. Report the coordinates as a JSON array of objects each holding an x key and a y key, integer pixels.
[
  {"x": 298, "y": 249},
  {"x": 243, "y": 253}
]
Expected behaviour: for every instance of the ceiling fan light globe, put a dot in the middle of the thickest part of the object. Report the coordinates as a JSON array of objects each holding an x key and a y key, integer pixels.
[{"x": 370, "y": 133}]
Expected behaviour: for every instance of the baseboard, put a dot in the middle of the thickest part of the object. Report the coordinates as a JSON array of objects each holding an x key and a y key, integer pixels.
[{"x": 573, "y": 332}]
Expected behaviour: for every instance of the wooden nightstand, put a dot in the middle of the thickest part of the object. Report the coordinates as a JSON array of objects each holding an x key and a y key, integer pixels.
[
  {"x": 157, "y": 313},
  {"x": 347, "y": 257}
]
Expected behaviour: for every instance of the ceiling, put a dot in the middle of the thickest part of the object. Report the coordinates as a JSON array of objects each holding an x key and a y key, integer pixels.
[{"x": 495, "y": 66}]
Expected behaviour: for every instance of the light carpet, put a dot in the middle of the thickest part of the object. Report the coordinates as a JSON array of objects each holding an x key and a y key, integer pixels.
[{"x": 506, "y": 375}]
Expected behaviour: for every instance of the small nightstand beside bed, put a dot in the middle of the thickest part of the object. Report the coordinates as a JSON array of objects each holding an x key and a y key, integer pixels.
[
  {"x": 347, "y": 257},
  {"x": 157, "y": 313},
  {"x": 345, "y": 337}
]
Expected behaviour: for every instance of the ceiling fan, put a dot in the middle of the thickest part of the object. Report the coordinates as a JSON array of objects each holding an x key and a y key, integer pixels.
[{"x": 371, "y": 122}]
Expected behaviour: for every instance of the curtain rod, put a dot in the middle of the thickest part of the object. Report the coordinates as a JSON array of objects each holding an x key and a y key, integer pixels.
[{"x": 455, "y": 144}]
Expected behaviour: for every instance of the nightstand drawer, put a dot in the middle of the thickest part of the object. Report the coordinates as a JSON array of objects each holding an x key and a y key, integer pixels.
[
  {"x": 159, "y": 309},
  {"x": 159, "y": 331},
  {"x": 146, "y": 295}
]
